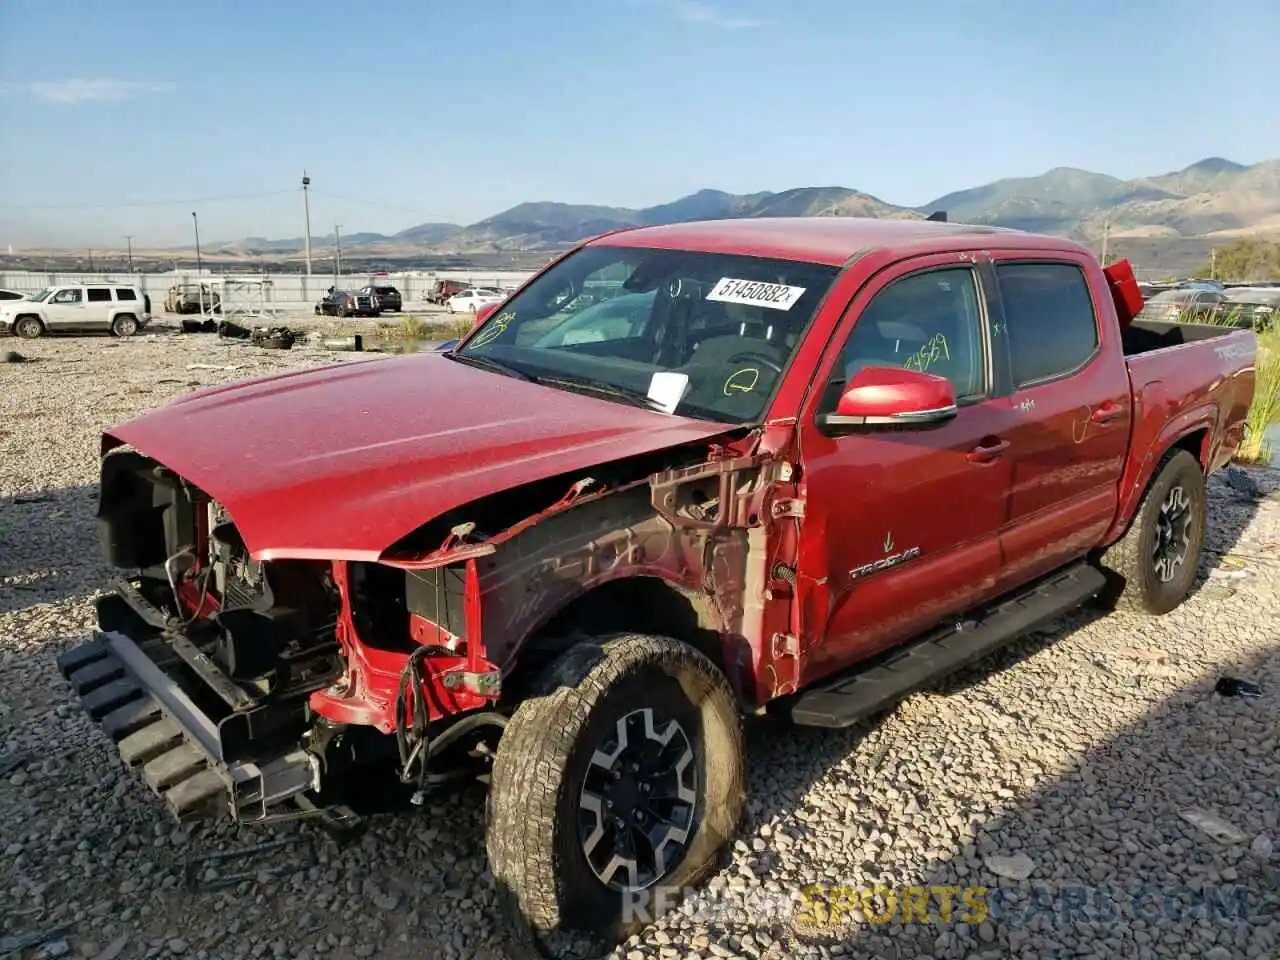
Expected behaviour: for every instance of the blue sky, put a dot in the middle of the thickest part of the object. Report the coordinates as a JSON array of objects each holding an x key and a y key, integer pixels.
[{"x": 404, "y": 112}]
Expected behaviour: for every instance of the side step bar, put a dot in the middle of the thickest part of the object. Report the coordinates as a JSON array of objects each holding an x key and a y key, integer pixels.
[
  {"x": 177, "y": 747},
  {"x": 869, "y": 688}
]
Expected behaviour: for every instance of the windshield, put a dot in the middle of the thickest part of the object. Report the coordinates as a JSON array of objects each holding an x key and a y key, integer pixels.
[
  {"x": 703, "y": 335},
  {"x": 40, "y": 295}
]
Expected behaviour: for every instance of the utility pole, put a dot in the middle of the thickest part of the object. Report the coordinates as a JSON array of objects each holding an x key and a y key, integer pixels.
[
  {"x": 337, "y": 261},
  {"x": 129, "y": 240},
  {"x": 306, "y": 216},
  {"x": 1106, "y": 237},
  {"x": 91, "y": 260},
  {"x": 195, "y": 221}
]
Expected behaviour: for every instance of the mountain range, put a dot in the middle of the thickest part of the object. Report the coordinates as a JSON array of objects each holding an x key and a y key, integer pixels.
[{"x": 1212, "y": 198}]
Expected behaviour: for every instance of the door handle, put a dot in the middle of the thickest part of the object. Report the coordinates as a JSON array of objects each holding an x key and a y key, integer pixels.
[
  {"x": 1107, "y": 413},
  {"x": 985, "y": 453}
]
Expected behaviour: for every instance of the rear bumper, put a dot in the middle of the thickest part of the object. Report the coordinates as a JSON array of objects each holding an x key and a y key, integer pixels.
[{"x": 178, "y": 749}]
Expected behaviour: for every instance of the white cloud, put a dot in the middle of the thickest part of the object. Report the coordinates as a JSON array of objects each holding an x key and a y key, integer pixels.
[
  {"x": 81, "y": 91},
  {"x": 695, "y": 11}
]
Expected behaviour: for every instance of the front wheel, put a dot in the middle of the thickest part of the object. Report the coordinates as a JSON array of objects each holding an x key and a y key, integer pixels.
[
  {"x": 613, "y": 791},
  {"x": 28, "y": 327},
  {"x": 1156, "y": 561}
]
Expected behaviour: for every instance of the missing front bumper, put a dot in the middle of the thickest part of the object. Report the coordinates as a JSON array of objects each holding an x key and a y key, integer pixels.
[{"x": 178, "y": 749}]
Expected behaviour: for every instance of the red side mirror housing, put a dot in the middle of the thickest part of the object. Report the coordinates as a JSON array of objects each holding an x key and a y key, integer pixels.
[
  {"x": 483, "y": 314},
  {"x": 892, "y": 397}
]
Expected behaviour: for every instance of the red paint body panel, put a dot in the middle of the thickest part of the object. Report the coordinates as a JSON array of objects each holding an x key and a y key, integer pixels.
[
  {"x": 1067, "y": 459},
  {"x": 342, "y": 461},
  {"x": 1177, "y": 392}
]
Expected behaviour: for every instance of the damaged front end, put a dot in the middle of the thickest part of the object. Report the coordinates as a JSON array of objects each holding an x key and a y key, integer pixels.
[
  {"x": 244, "y": 687},
  {"x": 241, "y": 688}
]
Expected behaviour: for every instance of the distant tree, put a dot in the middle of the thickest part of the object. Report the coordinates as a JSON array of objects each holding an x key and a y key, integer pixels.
[{"x": 1245, "y": 259}]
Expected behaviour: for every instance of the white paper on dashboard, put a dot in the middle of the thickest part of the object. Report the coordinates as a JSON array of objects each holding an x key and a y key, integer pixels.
[{"x": 668, "y": 389}]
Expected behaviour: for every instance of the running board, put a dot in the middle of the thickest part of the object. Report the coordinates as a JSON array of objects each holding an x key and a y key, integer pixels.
[{"x": 870, "y": 688}]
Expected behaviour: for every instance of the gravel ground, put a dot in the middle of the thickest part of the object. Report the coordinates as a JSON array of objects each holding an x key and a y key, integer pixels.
[{"x": 1061, "y": 776}]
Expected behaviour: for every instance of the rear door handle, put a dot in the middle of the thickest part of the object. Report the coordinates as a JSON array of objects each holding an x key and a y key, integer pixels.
[
  {"x": 987, "y": 452},
  {"x": 1107, "y": 413}
]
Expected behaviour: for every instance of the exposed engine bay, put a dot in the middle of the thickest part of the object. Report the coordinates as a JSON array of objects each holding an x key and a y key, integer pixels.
[{"x": 249, "y": 643}]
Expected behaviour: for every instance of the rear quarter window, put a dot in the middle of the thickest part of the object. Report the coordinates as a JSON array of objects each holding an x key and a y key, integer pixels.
[
  {"x": 123, "y": 293},
  {"x": 1051, "y": 325}
]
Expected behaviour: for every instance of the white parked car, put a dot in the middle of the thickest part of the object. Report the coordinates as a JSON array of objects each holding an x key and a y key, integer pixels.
[
  {"x": 469, "y": 301},
  {"x": 120, "y": 308}
]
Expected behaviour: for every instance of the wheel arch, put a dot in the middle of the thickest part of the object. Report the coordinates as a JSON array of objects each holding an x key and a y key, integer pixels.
[
  {"x": 1195, "y": 437},
  {"x": 631, "y": 601}
]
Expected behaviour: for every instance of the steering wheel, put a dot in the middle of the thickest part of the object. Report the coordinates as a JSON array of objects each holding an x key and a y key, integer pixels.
[{"x": 758, "y": 358}]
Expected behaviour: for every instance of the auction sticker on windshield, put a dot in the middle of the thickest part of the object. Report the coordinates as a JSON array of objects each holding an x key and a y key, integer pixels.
[{"x": 775, "y": 296}]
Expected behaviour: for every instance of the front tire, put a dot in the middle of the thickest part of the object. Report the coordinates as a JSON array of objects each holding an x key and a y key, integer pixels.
[
  {"x": 613, "y": 790},
  {"x": 1155, "y": 563},
  {"x": 29, "y": 328}
]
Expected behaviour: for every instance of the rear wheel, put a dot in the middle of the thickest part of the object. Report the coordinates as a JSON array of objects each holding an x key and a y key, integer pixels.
[
  {"x": 125, "y": 325},
  {"x": 613, "y": 791},
  {"x": 1154, "y": 564},
  {"x": 28, "y": 327}
]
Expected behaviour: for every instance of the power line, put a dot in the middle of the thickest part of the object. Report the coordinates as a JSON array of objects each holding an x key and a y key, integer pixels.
[{"x": 144, "y": 203}]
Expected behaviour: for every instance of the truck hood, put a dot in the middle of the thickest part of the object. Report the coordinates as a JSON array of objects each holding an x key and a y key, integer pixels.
[{"x": 342, "y": 461}]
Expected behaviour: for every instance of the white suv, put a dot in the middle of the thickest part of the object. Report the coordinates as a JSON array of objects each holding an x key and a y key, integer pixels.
[{"x": 119, "y": 307}]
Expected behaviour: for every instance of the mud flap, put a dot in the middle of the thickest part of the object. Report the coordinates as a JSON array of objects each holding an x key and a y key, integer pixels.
[{"x": 174, "y": 746}]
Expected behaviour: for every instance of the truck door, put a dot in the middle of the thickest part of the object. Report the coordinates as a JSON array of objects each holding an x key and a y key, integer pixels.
[
  {"x": 1071, "y": 400},
  {"x": 901, "y": 526}
]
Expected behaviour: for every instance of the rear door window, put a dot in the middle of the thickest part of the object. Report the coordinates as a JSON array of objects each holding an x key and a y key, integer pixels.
[
  {"x": 1050, "y": 322},
  {"x": 99, "y": 295}
]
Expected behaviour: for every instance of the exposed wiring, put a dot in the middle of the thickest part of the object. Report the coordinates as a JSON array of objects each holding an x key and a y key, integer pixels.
[
  {"x": 412, "y": 739},
  {"x": 204, "y": 595}
]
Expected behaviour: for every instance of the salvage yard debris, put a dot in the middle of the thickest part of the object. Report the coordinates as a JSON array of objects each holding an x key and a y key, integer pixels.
[{"x": 1214, "y": 825}]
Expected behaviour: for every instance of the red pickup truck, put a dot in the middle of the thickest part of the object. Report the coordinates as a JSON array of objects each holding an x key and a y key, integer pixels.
[{"x": 803, "y": 466}]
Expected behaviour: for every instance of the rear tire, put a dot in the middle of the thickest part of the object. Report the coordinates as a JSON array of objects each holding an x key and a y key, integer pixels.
[
  {"x": 619, "y": 780},
  {"x": 125, "y": 325},
  {"x": 1154, "y": 564},
  {"x": 29, "y": 328}
]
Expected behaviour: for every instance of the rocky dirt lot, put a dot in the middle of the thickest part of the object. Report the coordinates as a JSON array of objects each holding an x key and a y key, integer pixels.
[{"x": 1059, "y": 789}]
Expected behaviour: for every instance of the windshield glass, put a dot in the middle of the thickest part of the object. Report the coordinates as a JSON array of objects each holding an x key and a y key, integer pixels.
[
  {"x": 40, "y": 295},
  {"x": 703, "y": 335}
]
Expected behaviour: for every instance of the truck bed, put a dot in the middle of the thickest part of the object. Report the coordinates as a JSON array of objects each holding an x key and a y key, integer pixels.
[
  {"x": 1143, "y": 336},
  {"x": 1186, "y": 377}
]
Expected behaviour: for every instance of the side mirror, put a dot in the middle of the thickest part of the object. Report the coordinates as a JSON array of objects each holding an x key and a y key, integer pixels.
[
  {"x": 483, "y": 314},
  {"x": 891, "y": 397}
]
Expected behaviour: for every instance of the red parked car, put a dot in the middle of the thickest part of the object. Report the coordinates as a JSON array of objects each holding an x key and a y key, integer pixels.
[{"x": 804, "y": 466}]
